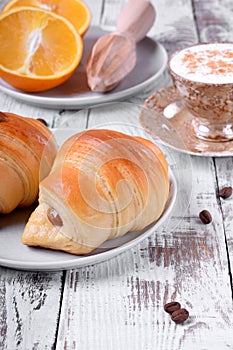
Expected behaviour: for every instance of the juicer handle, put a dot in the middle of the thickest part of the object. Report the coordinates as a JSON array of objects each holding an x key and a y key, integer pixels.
[{"x": 136, "y": 19}]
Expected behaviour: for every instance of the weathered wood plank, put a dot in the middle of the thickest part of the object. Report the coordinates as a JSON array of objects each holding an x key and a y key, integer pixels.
[
  {"x": 30, "y": 302},
  {"x": 175, "y": 26},
  {"x": 29, "y": 309},
  {"x": 214, "y": 20},
  {"x": 126, "y": 294},
  {"x": 9, "y": 104},
  {"x": 224, "y": 177},
  {"x": 119, "y": 304}
]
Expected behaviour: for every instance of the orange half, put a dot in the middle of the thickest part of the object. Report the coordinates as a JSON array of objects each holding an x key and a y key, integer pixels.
[
  {"x": 38, "y": 49},
  {"x": 75, "y": 11}
]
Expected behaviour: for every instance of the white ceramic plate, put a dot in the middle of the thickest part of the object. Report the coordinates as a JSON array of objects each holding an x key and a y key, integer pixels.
[
  {"x": 75, "y": 93},
  {"x": 14, "y": 254}
]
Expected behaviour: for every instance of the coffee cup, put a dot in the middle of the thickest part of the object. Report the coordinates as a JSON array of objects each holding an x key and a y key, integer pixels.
[{"x": 203, "y": 76}]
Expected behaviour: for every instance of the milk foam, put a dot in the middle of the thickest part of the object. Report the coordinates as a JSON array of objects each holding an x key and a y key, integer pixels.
[{"x": 207, "y": 63}]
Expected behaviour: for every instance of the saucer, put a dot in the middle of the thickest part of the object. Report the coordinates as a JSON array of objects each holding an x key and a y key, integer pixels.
[{"x": 172, "y": 117}]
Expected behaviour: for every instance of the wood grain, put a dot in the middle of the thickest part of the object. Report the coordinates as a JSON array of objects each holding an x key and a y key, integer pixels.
[
  {"x": 126, "y": 295},
  {"x": 224, "y": 178},
  {"x": 214, "y": 23},
  {"x": 214, "y": 20},
  {"x": 30, "y": 305},
  {"x": 174, "y": 26}
]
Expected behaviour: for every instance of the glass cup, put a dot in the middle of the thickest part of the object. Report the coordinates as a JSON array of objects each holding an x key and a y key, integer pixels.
[{"x": 203, "y": 75}]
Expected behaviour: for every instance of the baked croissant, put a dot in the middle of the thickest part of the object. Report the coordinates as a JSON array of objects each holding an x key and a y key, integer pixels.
[
  {"x": 103, "y": 184},
  {"x": 23, "y": 143}
]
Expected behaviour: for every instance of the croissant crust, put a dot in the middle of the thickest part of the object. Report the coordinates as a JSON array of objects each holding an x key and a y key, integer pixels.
[
  {"x": 27, "y": 152},
  {"x": 103, "y": 184}
]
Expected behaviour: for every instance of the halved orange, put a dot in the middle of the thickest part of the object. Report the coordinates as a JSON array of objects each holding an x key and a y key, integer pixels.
[
  {"x": 76, "y": 11},
  {"x": 38, "y": 49}
]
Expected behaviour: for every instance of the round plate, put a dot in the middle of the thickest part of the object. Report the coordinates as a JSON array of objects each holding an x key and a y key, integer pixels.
[
  {"x": 75, "y": 93},
  {"x": 14, "y": 254},
  {"x": 170, "y": 124}
]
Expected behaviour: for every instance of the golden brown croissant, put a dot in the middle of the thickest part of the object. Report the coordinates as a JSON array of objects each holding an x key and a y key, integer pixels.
[
  {"x": 103, "y": 184},
  {"x": 23, "y": 143}
]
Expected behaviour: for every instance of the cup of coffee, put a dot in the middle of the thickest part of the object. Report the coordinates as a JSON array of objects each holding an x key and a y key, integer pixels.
[{"x": 203, "y": 75}]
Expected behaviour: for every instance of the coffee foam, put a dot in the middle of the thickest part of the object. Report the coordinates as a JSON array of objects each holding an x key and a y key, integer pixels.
[{"x": 205, "y": 63}]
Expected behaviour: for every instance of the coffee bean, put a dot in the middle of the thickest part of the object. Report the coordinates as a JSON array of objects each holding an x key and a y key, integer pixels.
[
  {"x": 171, "y": 307},
  {"x": 179, "y": 316},
  {"x": 54, "y": 217},
  {"x": 205, "y": 216},
  {"x": 225, "y": 192},
  {"x": 42, "y": 121}
]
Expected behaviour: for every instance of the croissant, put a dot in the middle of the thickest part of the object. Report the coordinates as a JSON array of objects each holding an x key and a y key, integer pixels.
[
  {"x": 102, "y": 185},
  {"x": 23, "y": 142}
]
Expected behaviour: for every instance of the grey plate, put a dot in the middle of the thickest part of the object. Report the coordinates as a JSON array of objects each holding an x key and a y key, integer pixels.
[
  {"x": 75, "y": 93},
  {"x": 14, "y": 254}
]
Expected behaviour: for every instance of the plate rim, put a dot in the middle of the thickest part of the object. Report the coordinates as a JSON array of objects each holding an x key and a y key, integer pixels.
[{"x": 62, "y": 102}]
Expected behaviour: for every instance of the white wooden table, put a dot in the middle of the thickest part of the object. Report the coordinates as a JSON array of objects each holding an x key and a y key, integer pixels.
[{"x": 118, "y": 304}]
